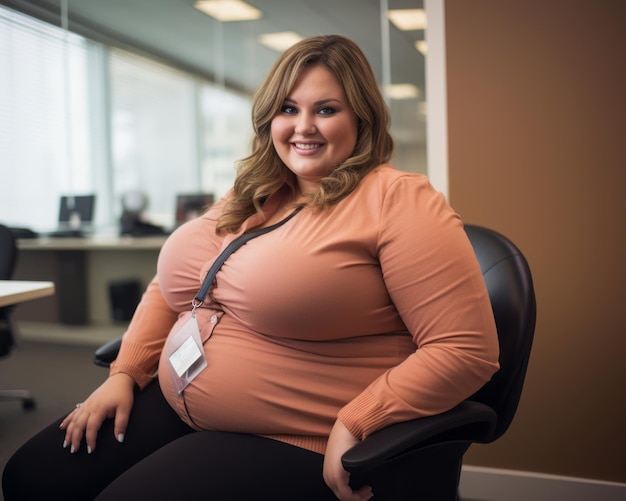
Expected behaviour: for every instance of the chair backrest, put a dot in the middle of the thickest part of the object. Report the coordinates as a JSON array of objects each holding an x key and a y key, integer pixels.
[
  {"x": 8, "y": 253},
  {"x": 8, "y": 259},
  {"x": 509, "y": 282}
]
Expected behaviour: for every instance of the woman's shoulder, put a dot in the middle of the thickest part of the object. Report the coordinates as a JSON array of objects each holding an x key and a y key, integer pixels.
[
  {"x": 393, "y": 190},
  {"x": 197, "y": 232},
  {"x": 386, "y": 177}
]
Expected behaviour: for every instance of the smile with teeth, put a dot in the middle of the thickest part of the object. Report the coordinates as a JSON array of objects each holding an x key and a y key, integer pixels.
[{"x": 307, "y": 146}]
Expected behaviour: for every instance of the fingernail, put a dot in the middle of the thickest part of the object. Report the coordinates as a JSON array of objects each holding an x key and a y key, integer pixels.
[
  {"x": 72, "y": 450},
  {"x": 65, "y": 444},
  {"x": 88, "y": 449},
  {"x": 120, "y": 438}
]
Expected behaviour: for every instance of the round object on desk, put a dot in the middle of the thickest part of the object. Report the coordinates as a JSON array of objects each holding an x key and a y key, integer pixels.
[{"x": 134, "y": 201}]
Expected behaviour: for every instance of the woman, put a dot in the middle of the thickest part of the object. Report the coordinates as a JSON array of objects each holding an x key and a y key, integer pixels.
[{"x": 365, "y": 309}]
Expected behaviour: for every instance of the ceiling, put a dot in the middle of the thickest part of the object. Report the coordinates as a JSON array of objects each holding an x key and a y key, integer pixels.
[{"x": 174, "y": 31}]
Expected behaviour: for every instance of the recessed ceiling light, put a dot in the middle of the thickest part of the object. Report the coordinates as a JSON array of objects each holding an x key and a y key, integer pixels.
[
  {"x": 408, "y": 19},
  {"x": 228, "y": 10},
  {"x": 402, "y": 91},
  {"x": 422, "y": 46},
  {"x": 280, "y": 41}
]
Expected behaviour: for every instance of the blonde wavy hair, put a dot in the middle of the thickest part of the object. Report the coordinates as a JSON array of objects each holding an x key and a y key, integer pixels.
[{"x": 263, "y": 173}]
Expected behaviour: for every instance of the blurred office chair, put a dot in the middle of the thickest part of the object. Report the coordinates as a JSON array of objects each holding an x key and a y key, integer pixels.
[
  {"x": 8, "y": 330},
  {"x": 421, "y": 459}
]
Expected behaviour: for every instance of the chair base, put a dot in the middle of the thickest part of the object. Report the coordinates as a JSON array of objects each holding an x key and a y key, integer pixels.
[
  {"x": 26, "y": 397},
  {"x": 431, "y": 473}
]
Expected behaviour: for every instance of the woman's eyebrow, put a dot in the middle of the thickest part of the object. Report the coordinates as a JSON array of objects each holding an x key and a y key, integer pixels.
[{"x": 316, "y": 103}]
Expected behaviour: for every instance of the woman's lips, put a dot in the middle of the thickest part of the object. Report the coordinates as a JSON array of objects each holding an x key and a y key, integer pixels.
[{"x": 306, "y": 148}]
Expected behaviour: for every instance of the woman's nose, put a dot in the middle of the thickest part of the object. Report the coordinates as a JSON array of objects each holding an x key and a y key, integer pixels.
[{"x": 305, "y": 124}]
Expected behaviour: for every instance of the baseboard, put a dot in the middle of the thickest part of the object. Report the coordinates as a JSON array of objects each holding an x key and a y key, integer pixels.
[
  {"x": 89, "y": 335},
  {"x": 492, "y": 484}
]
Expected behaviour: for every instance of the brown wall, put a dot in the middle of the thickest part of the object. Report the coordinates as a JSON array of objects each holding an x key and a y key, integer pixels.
[{"x": 537, "y": 150}]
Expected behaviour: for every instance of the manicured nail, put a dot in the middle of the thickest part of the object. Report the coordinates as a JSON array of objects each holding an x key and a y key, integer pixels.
[
  {"x": 120, "y": 438},
  {"x": 72, "y": 450},
  {"x": 88, "y": 449},
  {"x": 65, "y": 444}
]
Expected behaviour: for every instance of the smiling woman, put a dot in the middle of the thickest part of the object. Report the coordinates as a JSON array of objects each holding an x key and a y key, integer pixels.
[
  {"x": 316, "y": 129},
  {"x": 363, "y": 306}
]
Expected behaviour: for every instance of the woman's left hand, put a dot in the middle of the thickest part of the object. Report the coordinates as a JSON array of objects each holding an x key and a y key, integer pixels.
[{"x": 339, "y": 441}]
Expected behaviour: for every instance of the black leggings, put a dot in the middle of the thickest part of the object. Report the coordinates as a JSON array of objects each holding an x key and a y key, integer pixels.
[{"x": 163, "y": 458}]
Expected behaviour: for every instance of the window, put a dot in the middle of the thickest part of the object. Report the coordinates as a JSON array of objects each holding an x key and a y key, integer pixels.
[
  {"x": 77, "y": 117},
  {"x": 172, "y": 133},
  {"x": 226, "y": 135},
  {"x": 43, "y": 153},
  {"x": 153, "y": 132}
]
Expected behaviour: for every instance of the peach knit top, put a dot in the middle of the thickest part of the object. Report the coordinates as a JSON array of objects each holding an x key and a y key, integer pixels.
[{"x": 373, "y": 311}]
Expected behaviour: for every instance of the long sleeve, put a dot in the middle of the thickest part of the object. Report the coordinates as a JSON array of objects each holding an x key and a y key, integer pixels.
[
  {"x": 145, "y": 336},
  {"x": 434, "y": 281}
]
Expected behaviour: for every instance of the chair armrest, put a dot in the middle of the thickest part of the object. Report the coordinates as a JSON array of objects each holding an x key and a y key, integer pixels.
[
  {"x": 469, "y": 421},
  {"x": 104, "y": 355}
]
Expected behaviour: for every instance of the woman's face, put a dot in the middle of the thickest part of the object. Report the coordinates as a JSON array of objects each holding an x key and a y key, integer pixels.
[{"x": 315, "y": 129}]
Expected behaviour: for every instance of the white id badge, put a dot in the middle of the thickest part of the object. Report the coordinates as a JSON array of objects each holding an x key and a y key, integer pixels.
[{"x": 185, "y": 354}]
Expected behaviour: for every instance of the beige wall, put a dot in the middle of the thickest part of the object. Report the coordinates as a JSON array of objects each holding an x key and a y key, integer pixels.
[{"x": 537, "y": 150}]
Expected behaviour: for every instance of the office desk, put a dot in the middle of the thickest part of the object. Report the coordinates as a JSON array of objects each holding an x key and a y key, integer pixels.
[
  {"x": 103, "y": 242},
  {"x": 82, "y": 269},
  {"x": 17, "y": 291}
]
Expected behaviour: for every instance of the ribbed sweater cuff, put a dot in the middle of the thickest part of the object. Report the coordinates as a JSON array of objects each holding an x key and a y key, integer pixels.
[
  {"x": 311, "y": 443},
  {"x": 139, "y": 363},
  {"x": 363, "y": 415}
]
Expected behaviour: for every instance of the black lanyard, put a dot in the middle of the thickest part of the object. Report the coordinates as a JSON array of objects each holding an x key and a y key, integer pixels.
[{"x": 232, "y": 247}]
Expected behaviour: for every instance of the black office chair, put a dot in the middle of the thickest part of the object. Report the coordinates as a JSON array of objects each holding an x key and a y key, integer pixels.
[
  {"x": 8, "y": 330},
  {"x": 421, "y": 459}
]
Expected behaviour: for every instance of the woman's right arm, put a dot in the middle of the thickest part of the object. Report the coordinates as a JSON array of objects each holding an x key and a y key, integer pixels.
[
  {"x": 180, "y": 262},
  {"x": 143, "y": 340}
]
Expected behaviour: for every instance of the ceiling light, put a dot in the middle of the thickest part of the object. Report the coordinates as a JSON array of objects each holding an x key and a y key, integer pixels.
[
  {"x": 280, "y": 41},
  {"x": 422, "y": 46},
  {"x": 402, "y": 91},
  {"x": 408, "y": 19},
  {"x": 228, "y": 10}
]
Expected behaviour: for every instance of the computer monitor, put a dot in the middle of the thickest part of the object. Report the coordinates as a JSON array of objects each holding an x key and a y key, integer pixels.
[
  {"x": 76, "y": 212},
  {"x": 191, "y": 205}
]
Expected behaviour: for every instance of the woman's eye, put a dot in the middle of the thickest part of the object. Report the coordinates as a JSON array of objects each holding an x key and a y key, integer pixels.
[
  {"x": 327, "y": 111},
  {"x": 290, "y": 110}
]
